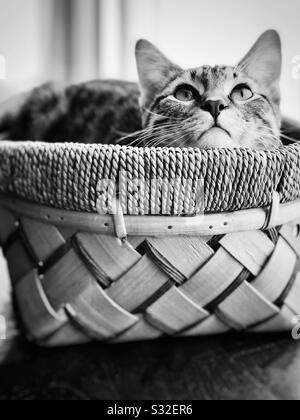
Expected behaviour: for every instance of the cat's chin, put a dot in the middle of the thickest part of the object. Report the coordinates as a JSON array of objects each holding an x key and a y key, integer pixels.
[{"x": 216, "y": 137}]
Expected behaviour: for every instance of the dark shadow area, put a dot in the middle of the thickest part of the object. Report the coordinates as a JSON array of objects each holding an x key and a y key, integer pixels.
[{"x": 229, "y": 367}]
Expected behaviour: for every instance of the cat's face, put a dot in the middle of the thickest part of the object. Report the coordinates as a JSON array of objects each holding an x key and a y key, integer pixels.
[{"x": 218, "y": 106}]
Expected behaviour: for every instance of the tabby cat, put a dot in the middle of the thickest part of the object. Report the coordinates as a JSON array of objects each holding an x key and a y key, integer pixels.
[{"x": 202, "y": 107}]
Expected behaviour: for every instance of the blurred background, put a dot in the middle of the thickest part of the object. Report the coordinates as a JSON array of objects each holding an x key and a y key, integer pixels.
[{"x": 78, "y": 40}]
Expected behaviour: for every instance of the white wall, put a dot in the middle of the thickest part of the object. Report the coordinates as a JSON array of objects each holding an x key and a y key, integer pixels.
[{"x": 24, "y": 42}]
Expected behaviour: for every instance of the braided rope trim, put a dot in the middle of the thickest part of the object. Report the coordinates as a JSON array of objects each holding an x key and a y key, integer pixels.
[{"x": 148, "y": 180}]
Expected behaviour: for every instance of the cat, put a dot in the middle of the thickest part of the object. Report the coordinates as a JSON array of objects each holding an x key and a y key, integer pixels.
[{"x": 204, "y": 107}]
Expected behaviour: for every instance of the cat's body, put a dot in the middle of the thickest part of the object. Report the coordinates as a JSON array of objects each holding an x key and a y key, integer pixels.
[
  {"x": 94, "y": 112},
  {"x": 219, "y": 106}
]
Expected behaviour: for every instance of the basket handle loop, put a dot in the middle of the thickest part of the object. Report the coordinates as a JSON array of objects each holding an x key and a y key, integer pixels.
[
  {"x": 119, "y": 221},
  {"x": 272, "y": 213}
]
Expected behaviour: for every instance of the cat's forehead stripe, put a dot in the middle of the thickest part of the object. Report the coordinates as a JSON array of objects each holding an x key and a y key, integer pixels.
[
  {"x": 215, "y": 76},
  {"x": 212, "y": 77},
  {"x": 193, "y": 74}
]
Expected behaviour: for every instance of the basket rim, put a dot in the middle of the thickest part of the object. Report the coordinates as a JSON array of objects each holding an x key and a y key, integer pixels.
[
  {"x": 6, "y": 143},
  {"x": 147, "y": 225},
  {"x": 65, "y": 175}
]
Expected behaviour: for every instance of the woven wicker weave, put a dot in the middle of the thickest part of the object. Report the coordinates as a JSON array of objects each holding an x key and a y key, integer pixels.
[{"x": 78, "y": 276}]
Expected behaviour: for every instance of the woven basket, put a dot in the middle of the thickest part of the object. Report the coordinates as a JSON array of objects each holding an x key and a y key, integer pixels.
[{"x": 97, "y": 250}]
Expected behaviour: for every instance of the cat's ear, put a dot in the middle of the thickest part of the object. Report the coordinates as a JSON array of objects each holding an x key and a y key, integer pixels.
[
  {"x": 263, "y": 62},
  {"x": 154, "y": 69}
]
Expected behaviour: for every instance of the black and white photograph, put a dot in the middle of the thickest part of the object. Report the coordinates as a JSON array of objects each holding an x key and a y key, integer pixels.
[{"x": 149, "y": 203}]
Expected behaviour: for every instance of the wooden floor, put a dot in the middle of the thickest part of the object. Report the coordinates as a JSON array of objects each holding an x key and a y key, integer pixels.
[{"x": 229, "y": 367}]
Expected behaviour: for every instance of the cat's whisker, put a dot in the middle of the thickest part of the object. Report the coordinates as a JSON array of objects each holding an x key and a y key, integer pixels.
[
  {"x": 163, "y": 139},
  {"x": 264, "y": 136},
  {"x": 266, "y": 132},
  {"x": 173, "y": 129},
  {"x": 129, "y": 136},
  {"x": 159, "y": 136},
  {"x": 284, "y": 136},
  {"x": 174, "y": 135},
  {"x": 290, "y": 139},
  {"x": 163, "y": 116},
  {"x": 178, "y": 139},
  {"x": 146, "y": 131}
]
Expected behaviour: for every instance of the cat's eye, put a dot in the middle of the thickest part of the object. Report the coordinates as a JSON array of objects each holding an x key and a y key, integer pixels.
[
  {"x": 241, "y": 93},
  {"x": 185, "y": 94}
]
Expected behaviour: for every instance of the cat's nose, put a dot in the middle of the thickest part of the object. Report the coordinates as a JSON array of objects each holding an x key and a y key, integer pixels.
[{"x": 214, "y": 107}]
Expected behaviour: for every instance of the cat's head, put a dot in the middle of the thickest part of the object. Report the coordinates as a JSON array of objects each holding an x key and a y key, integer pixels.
[{"x": 219, "y": 106}]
